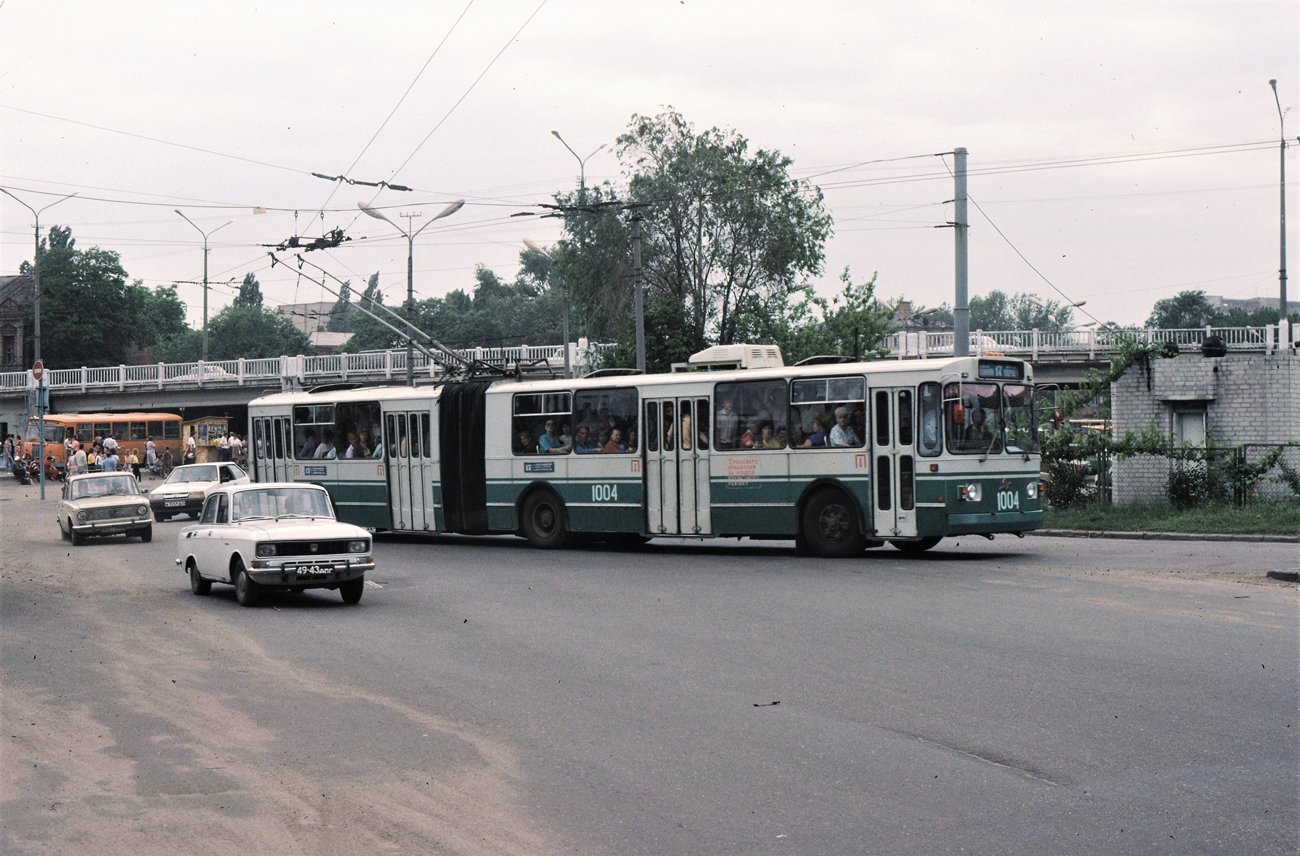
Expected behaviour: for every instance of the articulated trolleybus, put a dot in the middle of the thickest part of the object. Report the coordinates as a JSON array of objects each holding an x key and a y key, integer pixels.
[{"x": 840, "y": 457}]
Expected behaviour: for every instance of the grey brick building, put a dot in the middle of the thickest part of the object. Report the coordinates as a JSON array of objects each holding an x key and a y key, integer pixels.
[{"x": 1234, "y": 399}]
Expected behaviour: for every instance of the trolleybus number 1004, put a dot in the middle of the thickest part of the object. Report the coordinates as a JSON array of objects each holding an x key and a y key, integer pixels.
[
  {"x": 1008, "y": 500},
  {"x": 604, "y": 493}
]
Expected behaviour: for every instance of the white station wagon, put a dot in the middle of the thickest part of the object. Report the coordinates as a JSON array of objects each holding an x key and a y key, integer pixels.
[{"x": 273, "y": 537}]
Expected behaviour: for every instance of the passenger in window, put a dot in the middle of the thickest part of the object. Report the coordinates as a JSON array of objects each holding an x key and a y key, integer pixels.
[
  {"x": 842, "y": 434},
  {"x": 585, "y": 443},
  {"x": 752, "y": 436},
  {"x": 615, "y": 444},
  {"x": 631, "y": 439},
  {"x": 524, "y": 443},
  {"x": 308, "y": 447},
  {"x": 727, "y": 423},
  {"x": 550, "y": 442},
  {"x": 363, "y": 444},
  {"x": 817, "y": 437},
  {"x": 768, "y": 440},
  {"x": 326, "y": 447}
]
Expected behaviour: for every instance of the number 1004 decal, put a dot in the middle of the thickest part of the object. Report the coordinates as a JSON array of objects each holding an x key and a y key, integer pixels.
[
  {"x": 604, "y": 493},
  {"x": 1008, "y": 500}
]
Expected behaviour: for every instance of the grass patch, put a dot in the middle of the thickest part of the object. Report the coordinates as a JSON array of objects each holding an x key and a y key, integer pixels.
[{"x": 1262, "y": 518}]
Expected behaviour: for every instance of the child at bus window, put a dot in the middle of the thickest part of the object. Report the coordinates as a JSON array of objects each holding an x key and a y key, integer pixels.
[{"x": 768, "y": 440}]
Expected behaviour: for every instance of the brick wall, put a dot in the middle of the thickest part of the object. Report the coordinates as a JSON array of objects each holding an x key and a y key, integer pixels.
[{"x": 1249, "y": 398}]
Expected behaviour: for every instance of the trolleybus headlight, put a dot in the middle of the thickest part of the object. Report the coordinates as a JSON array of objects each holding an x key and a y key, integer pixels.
[
  {"x": 1031, "y": 490},
  {"x": 265, "y": 550},
  {"x": 970, "y": 492}
]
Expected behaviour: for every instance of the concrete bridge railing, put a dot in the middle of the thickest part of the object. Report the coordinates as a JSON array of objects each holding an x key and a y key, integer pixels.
[{"x": 390, "y": 366}]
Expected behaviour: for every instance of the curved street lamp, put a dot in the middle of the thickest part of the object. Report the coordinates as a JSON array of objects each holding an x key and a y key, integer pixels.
[
  {"x": 410, "y": 269},
  {"x": 582, "y": 165},
  {"x": 36, "y": 320},
  {"x": 205, "y": 272}
]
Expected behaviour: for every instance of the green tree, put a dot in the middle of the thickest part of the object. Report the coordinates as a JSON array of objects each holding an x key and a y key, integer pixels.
[
  {"x": 341, "y": 313},
  {"x": 1185, "y": 310},
  {"x": 250, "y": 293},
  {"x": 728, "y": 239},
  {"x": 251, "y": 332},
  {"x": 853, "y": 323},
  {"x": 87, "y": 312}
]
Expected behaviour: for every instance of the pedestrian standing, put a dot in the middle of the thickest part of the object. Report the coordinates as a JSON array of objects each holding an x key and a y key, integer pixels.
[
  {"x": 134, "y": 460},
  {"x": 80, "y": 462}
]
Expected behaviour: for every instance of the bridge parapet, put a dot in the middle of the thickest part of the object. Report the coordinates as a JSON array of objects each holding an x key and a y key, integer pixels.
[{"x": 1082, "y": 346}]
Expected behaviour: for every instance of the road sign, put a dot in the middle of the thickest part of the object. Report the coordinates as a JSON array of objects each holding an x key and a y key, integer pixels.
[{"x": 38, "y": 370}]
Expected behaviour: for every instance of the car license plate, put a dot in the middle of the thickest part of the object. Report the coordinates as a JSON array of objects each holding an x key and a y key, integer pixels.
[
  {"x": 308, "y": 572},
  {"x": 173, "y": 503}
]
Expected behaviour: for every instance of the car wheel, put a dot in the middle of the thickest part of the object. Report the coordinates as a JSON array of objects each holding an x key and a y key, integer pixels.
[
  {"x": 543, "y": 520},
  {"x": 352, "y": 589},
  {"x": 829, "y": 524},
  {"x": 198, "y": 585},
  {"x": 146, "y": 534},
  {"x": 247, "y": 591},
  {"x": 77, "y": 538},
  {"x": 919, "y": 546}
]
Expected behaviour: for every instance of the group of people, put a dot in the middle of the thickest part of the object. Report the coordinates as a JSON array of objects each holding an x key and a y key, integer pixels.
[
  {"x": 821, "y": 431},
  {"x": 358, "y": 444},
  {"x": 611, "y": 438},
  {"x": 102, "y": 455}
]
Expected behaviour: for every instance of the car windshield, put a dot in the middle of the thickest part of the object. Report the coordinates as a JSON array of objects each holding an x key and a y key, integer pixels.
[
  {"x": 124, "y": 485},
  {"x": 185, "y": 475},
  {"x": 280, "y": 502}
]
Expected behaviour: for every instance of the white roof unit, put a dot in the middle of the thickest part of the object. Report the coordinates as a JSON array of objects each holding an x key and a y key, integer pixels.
[{"x": 720, "y": 357}]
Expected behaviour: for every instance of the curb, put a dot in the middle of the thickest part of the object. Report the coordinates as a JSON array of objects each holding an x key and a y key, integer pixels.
[{"x": 1168, "y": 536}]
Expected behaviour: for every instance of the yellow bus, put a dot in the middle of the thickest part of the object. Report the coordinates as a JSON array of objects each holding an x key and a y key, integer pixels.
[{"x": 131, "y": 430}]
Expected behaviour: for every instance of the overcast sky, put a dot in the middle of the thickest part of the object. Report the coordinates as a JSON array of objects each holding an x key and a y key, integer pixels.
[{"x": 1119, "y": 151}]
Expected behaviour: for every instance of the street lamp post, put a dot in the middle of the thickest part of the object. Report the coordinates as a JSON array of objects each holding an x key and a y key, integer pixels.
[
  {"x": 582, "y": 200},
  {"x": 410, "y": 270},
  {"x": 205, "y": 273},
  {"x": 1282, "y": 266},
  {"x": 36, "y": 324}
]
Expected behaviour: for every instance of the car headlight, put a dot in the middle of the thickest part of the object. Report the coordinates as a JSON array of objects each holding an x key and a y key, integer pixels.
[
  {"x": 142, "y": 510},
  {"x": 358, "y": 546},
  {"x": 265, "y": 550},
  {"x": 196, "y": 494},
  {"x": 82, "y": 516}
]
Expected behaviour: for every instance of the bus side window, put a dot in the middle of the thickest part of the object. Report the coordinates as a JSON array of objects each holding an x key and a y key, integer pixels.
[{"x": 931, "y": 407}]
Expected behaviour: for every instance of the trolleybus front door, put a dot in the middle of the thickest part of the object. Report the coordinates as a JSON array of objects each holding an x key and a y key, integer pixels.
[
  {"x": 271, "y": 449},
  {"x": 893, "y": 443},
  {"x": 409, "y": 462},
  {"x": 677, "y": 466}
]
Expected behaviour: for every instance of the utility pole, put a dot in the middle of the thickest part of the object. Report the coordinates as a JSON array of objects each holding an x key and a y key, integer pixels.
[
  {"x": 961, "y": 225},
  {"x": 639, "y": 297},
  {"x": 1281, "y": 269}
]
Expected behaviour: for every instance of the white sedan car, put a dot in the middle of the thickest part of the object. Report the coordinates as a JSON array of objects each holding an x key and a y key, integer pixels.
[
  {"x": 104, "y": 504},
  {"x": 183, "y": 491},
  {"x": 276, "y": 536}
]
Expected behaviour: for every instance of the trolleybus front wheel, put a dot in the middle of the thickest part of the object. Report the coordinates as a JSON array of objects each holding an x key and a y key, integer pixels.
[
  {"x": 829, "y": 526},
  {"x": 543, "y": 520}
]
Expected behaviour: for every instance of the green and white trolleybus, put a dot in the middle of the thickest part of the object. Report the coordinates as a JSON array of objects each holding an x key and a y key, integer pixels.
[{"x": 840, "y": 457}]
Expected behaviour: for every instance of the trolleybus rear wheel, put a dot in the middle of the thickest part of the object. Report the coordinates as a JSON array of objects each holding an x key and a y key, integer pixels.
[
  {"x": 829, "y": 525},
  {"x": 543, "y": 520}
]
